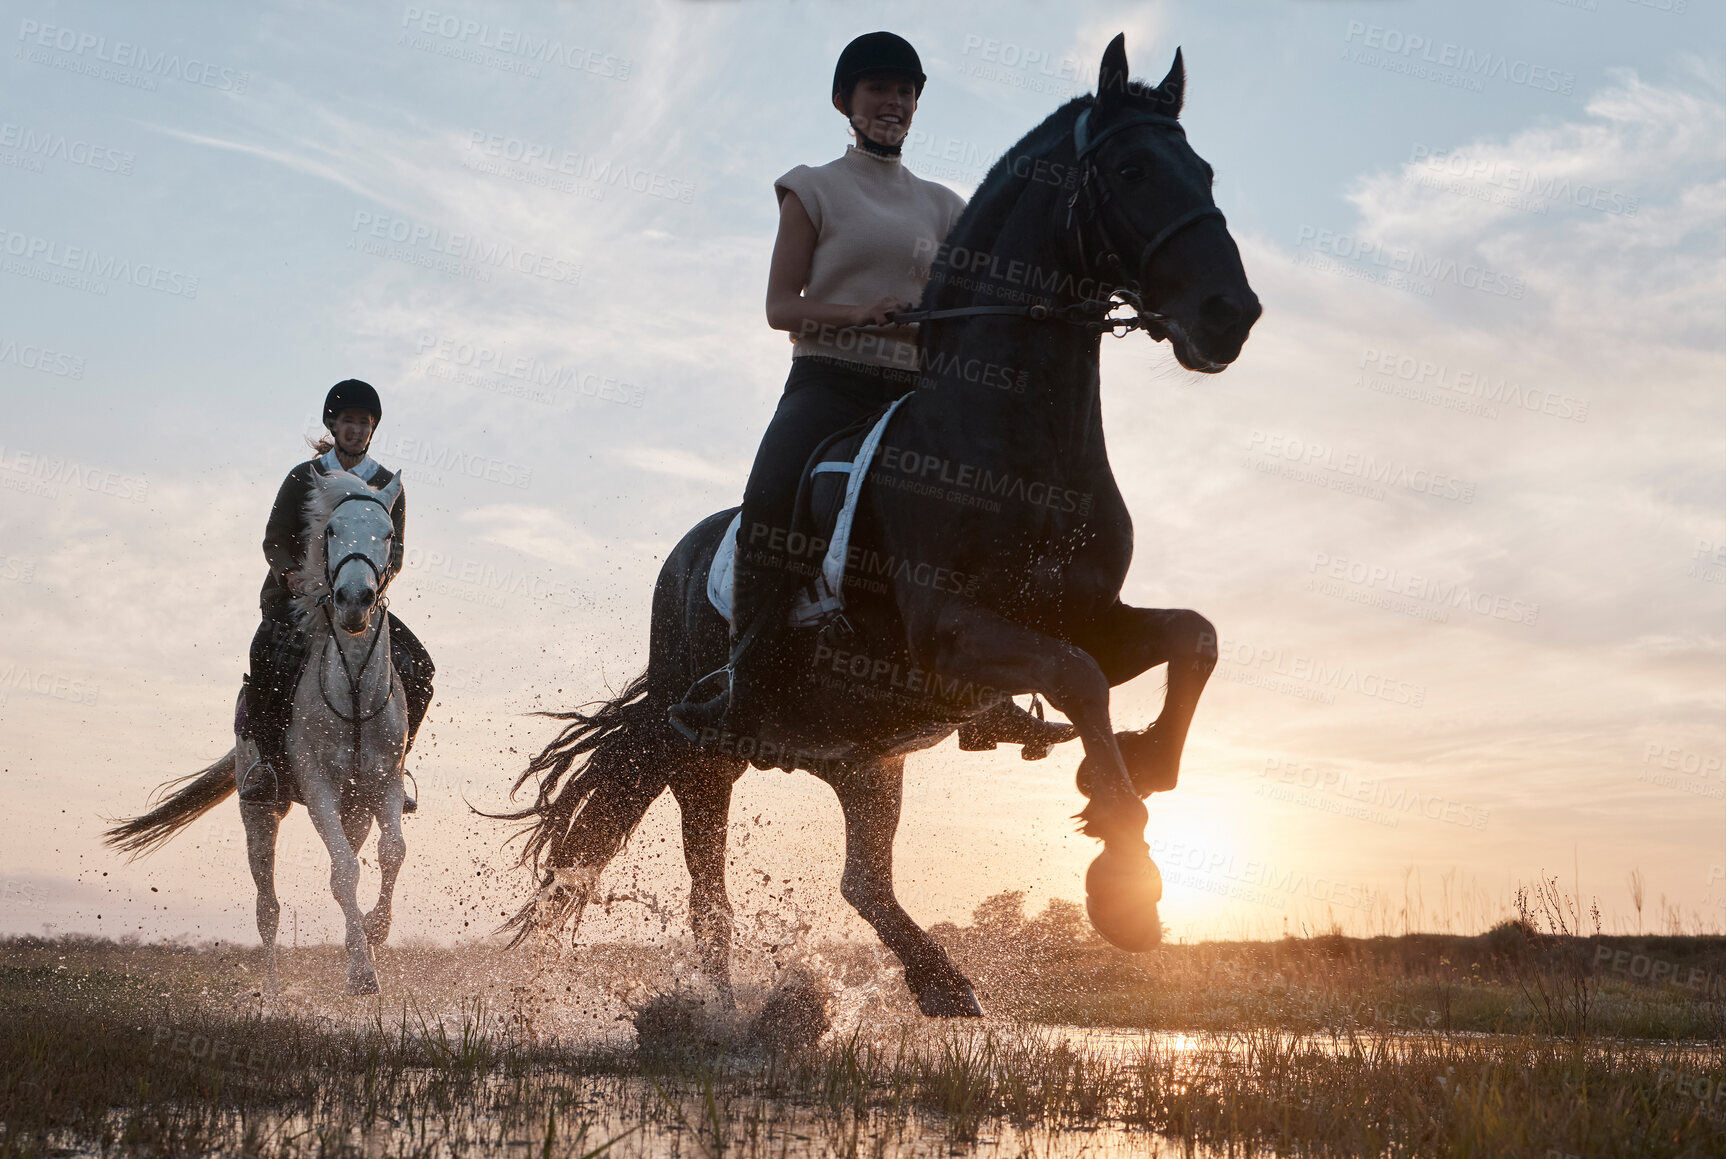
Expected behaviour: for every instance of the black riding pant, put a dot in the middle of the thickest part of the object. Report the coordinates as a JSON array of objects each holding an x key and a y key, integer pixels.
[{"x": 822, "y": 397}]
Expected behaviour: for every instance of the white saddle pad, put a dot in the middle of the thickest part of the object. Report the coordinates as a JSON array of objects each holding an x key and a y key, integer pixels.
[{"x": 817, "y": 601}]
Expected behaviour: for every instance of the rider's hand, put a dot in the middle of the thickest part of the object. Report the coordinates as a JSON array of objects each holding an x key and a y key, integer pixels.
[{"x": 879, "y": 312}]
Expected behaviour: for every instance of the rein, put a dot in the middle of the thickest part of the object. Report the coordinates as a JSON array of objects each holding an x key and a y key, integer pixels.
[{"x": 1092, "y": 314}]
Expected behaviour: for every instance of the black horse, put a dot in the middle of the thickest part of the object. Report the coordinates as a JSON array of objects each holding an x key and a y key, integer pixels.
[{"x": 997, "y": 538}]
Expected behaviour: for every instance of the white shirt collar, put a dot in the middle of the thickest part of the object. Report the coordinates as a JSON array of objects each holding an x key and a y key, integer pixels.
[{"x": 365, "y": 468}]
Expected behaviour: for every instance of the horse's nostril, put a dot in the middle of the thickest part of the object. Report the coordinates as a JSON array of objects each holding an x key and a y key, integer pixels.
[
  {"x": 367, "y": 596},
  {"x": 1219, "y": 312}
]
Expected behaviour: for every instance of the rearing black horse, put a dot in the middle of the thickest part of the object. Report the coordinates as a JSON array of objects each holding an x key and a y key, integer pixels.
[{"x": 998, "y": 539}]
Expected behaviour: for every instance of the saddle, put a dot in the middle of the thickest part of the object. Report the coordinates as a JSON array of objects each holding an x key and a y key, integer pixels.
[{"x": 826, "y": 511}]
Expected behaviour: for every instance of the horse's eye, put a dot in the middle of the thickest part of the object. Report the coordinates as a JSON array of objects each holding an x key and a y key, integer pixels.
[{"x": 1131, "y": 173}]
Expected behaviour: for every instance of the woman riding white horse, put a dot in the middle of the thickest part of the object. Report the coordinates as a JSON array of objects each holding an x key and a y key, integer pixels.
[
  {"x": 856, "y": 239},
  {"x": 352, "y": 411}
]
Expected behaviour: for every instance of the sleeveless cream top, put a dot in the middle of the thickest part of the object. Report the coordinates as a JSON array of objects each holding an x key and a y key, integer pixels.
[{"x": 878, "y": 226}]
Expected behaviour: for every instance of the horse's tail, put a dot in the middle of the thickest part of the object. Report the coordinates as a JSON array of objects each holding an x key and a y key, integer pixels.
[
  {"x": 188, "y": 798},
  {"x": 583, "y": 813}
]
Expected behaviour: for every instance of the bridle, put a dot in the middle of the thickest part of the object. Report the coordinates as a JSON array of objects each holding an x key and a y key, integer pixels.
[
  {"x": 330, "y": 573},
  {"x": 358, "y": 718},
  {"x": 1085, "y": 208}
]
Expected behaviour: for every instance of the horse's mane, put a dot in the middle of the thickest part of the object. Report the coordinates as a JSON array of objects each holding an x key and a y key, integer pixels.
[
  {"x": 321, "y": 500},
  {"x": 986, "y": 213}
]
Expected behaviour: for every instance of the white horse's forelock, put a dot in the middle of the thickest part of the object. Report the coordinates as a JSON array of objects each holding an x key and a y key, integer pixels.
[{"x": 327, "y": 491}]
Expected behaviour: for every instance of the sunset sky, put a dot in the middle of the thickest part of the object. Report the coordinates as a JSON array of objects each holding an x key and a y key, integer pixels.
[{"x": 1488, "y": 237}]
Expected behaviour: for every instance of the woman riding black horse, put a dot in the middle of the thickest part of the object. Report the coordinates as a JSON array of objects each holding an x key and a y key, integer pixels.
[
  {"x": 352, "y": 412},
  {"x": 855, "y": 240}
]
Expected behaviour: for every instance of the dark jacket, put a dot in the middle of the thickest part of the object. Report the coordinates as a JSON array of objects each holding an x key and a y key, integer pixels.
[{"x": 285, "y": 534}]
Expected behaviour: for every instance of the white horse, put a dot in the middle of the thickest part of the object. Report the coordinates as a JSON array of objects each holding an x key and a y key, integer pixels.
[{"x": 348, "y": 737}]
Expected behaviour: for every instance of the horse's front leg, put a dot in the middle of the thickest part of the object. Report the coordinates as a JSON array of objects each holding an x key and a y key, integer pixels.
[
  {"x": 870, "y": 797},
  {"x": 392, "y": 851},
  {"x": 1126, "y": 641},
  {"x": 324, "y": 805},
  {"x": 979, "y": 651}
]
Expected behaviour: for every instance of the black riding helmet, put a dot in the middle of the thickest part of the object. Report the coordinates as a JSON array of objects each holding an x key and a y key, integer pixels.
[
  {"x": 875, "y": 52},
  {"x": 351, "y": 394}
]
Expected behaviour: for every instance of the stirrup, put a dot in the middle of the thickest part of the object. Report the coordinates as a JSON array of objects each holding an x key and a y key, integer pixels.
[
  {"x": 410, "y": 801},
  {"x": 258, "y": 782},
  {"x": 695, "y": 705}
]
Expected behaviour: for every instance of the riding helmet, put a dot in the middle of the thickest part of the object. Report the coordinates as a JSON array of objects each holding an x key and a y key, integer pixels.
[
  {"x": 875, "y": 52},
  {"x": 351, "y": 394}
]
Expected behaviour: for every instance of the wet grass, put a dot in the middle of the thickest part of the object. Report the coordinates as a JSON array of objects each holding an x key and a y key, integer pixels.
[
  {"x": 1519, "y": 978},
  {"x": 161, "y": 1050}
]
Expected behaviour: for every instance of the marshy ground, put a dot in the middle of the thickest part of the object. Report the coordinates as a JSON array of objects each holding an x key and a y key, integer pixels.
[{"x": 1514, "y": 1043}]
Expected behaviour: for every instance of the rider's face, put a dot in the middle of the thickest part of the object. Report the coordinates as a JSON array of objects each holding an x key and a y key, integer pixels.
[
  {"x": 353, "y": 431},
  {"x": 881, "y": 106}
]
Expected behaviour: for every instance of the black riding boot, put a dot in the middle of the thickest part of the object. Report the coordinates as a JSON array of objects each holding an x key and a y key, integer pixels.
[
  {"x": 1007, "y": 723},
  {"x": 413, "y": 664},
  {"x": 760, "y": 597},
  {"x": 278, "y": 654}
]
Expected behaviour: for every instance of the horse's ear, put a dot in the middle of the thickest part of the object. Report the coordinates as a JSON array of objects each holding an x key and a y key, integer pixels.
[
  {"x": 1173, "y": 91},
  {"x": 1112, "y": 77},
  {"x": 390, "y": 492}
]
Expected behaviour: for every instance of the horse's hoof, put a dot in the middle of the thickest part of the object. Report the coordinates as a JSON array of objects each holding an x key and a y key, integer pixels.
[
  {"x": 1147, "y": 766},
  {"x": 1121, "y": 896},
  {"x": 377, "y": 931},
  {"x": 364, "y": 984},
  {"x": 947, "y": 1002}
]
